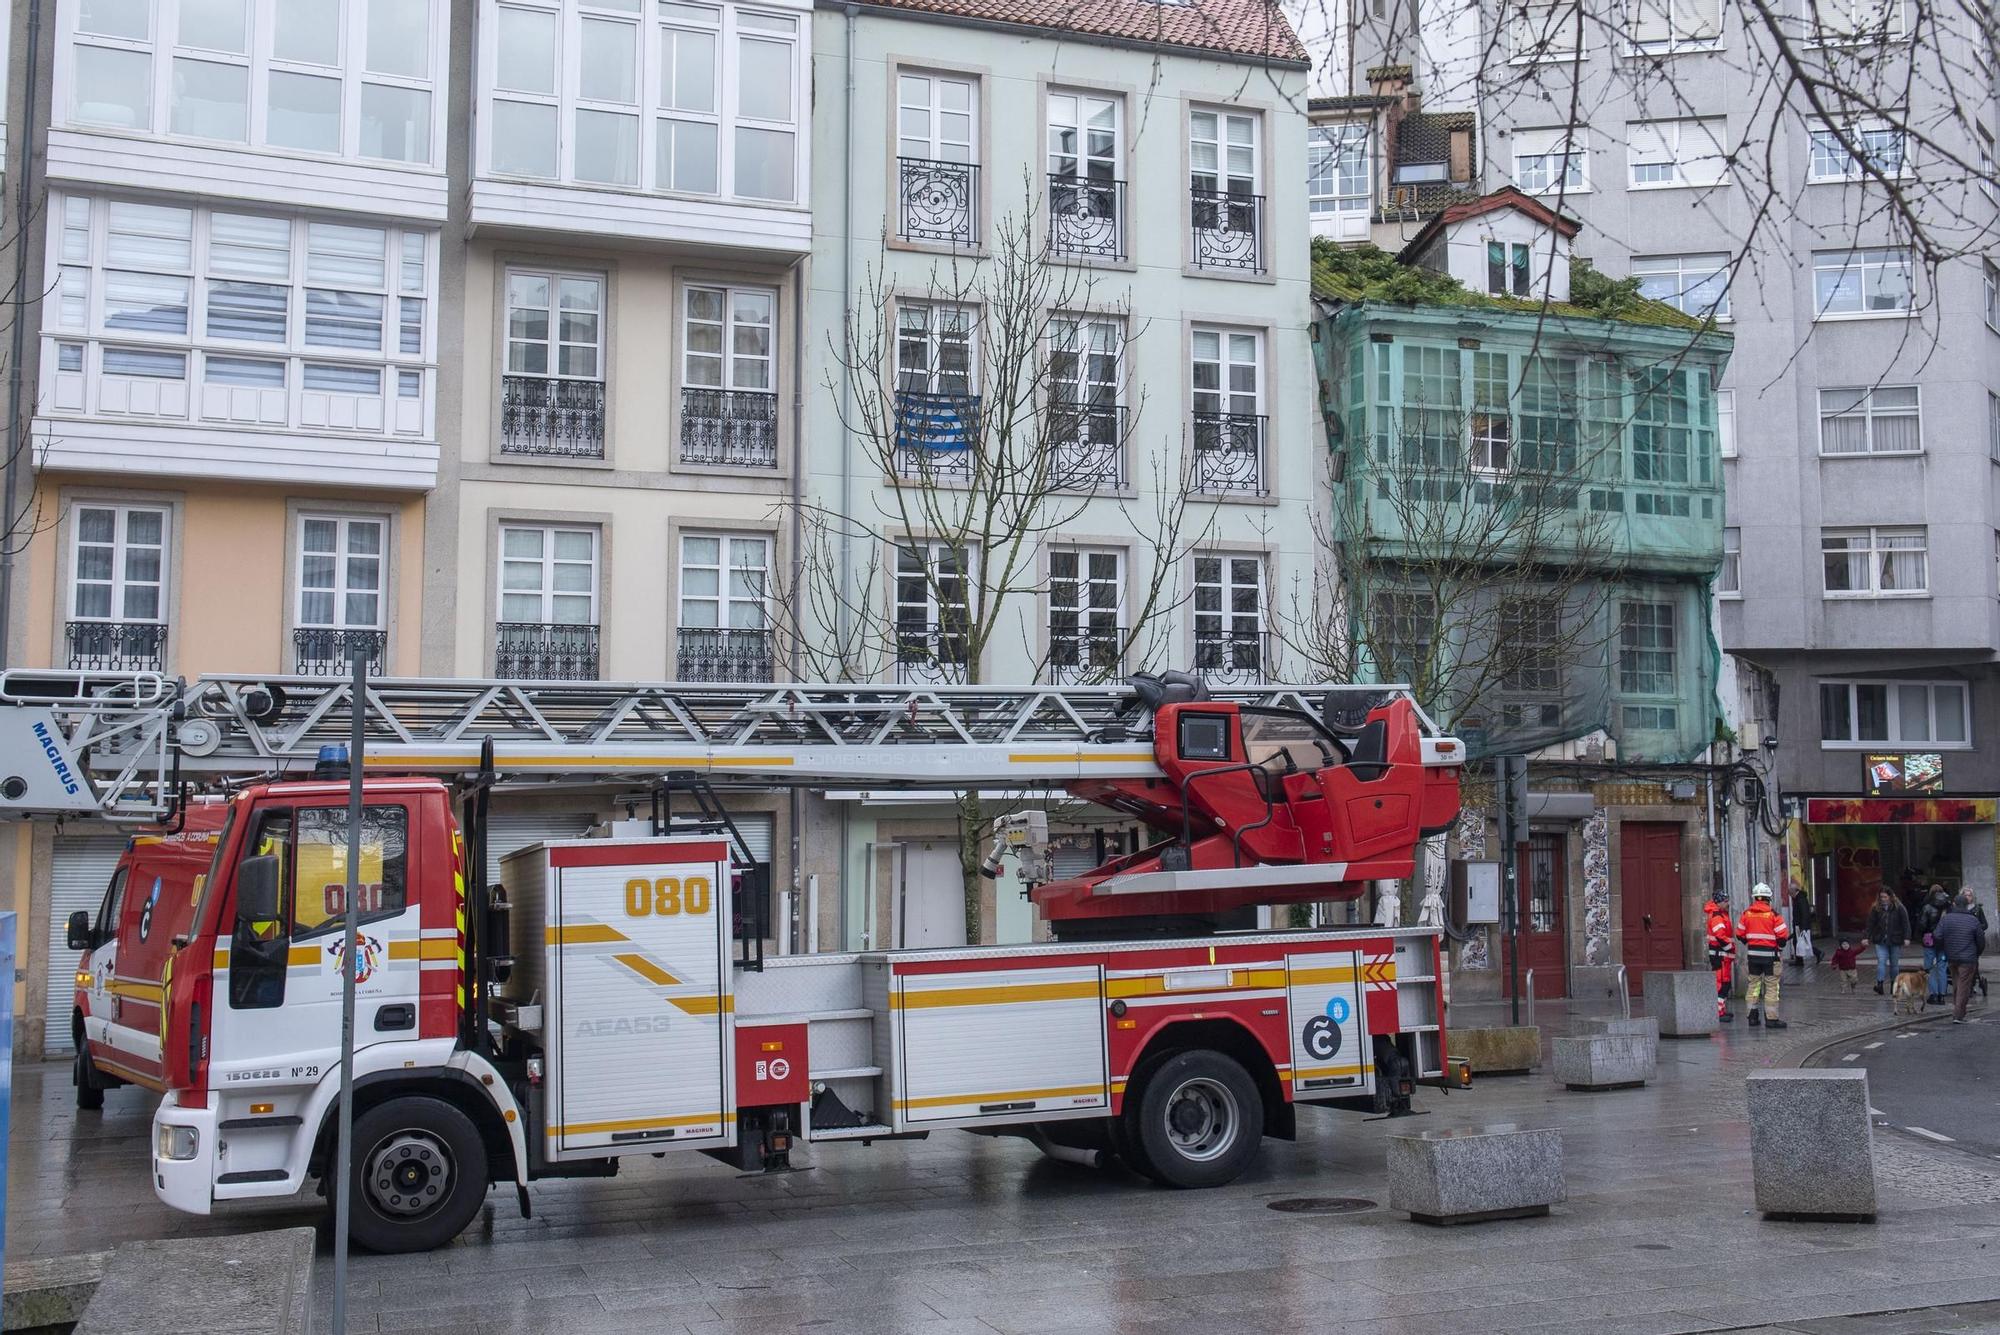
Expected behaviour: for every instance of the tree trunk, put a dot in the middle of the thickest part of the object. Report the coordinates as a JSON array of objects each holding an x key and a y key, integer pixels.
[{"x": 969, "y": 856}]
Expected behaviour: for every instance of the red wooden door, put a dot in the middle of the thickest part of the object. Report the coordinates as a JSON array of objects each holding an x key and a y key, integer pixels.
[
  {"x": 1541, "y": 875},
  {"x": 1649, "y": 884}
]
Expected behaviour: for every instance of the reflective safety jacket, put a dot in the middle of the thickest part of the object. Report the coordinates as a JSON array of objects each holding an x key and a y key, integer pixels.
[
  {"x": 1762, "y": 932},
  {"x": 1721, "y": 939}
]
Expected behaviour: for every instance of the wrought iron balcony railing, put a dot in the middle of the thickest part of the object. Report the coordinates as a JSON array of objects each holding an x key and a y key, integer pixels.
[
  {"x": 938, "y": 202},
  {"x": 736, "y": 427},
  {"x": 537, "y": 651},
  {"x": 1087, "y": 446},
  {"x": 936, "y": 435},
  {"x": 1087, "y": 217},
  {"x": 723, "y": 654},
  {"x": 1232, "y": 657},
  {"x": 560, "y": 418},
  {"x": 932, "y": 654},
  {"x": 328, "y": 651},
  {"x": 1228, "y": 230},
  {"x": 1085, "y": 657},
  {"x": 116, "y": 646},
  {"x": 1229, "y": 453}
]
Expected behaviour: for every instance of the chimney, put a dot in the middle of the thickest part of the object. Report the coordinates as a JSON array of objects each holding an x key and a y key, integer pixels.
[{"x": 1461, "y": 156}]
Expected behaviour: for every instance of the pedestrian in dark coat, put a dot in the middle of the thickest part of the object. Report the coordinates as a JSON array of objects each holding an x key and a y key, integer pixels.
[
  {"x": 1961, "y": 940},
  {"x": 1888, "y": 929}
]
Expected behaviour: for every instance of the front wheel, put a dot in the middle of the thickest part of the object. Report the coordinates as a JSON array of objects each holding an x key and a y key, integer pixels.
[
  {"x": 89, "y": 1085},
  {"x": 418, "y": 1175},
  {"x": 1200, "y": 1120}
]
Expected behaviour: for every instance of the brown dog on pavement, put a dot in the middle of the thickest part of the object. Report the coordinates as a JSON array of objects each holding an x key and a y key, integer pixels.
[{"x": 1910, "y": 991}]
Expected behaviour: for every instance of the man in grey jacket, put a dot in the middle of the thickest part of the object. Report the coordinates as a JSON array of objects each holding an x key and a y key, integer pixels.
[{"x": 1960, "y": 939}]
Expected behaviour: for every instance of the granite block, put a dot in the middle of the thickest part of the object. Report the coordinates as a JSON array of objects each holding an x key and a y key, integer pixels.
[
  {"x": 49, "y": 1291},
  {"x": 1812, "y": 1149},
  {"x": 1604, "y": 1061},
  {"x": 1645, "y": 1026},
  {"x": 1682, "y": 1001},
  {"x": 1499, "y": 1050},
  {"x": 1464, "y": 1176},
  {"x": 227, "y": 1285}
]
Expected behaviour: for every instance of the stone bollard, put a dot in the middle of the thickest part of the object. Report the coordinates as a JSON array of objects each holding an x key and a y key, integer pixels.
[
  {"x": 1480, "y": 1173},
  {"x": 1682, "y": 1002},
  {"x": 238, "y": 1282},
  {"x": 1604, "y": 1061},
  {"x": 1812, "y": 1149},
  {"x": 1639, "y": 1026},
  {"x": 1499, "y": 1050}
]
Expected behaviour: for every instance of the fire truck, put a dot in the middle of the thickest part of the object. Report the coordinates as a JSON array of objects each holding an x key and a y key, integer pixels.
[{"x": 612, "y": 996}]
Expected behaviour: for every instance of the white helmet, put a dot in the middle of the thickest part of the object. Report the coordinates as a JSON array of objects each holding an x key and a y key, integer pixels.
[{"x": 1760, "y": 891}]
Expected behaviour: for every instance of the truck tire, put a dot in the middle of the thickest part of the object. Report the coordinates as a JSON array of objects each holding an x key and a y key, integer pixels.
[
  {"x": 1200, "y": 1120},
  {"x": 418, "y": 1175},
  {"x": 89, "y": 1085}
]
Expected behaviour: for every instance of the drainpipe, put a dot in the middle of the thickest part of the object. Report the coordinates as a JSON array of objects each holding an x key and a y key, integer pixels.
[
  {"x": 798, "y": 796},
  {"x": 847, "y": 414},
  {"x": 10, "y": 486}
]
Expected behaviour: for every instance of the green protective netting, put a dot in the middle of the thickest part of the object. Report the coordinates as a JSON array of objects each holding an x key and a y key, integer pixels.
[{"x": 1525, "y": 522}]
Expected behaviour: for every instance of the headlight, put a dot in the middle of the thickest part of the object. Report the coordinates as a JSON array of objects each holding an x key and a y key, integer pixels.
[{"x": 177, "y": 1142}]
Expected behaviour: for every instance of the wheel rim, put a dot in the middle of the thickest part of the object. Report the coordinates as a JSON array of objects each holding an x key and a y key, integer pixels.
[
  {"x": 1202, "y": 1119},
  {"x": 408, "y": 1174}
]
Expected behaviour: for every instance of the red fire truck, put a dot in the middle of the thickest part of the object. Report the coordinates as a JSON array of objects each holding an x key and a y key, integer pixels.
[{"x": 610, "y": 997}]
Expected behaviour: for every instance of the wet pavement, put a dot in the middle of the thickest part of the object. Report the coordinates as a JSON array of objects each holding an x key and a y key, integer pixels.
[{"x": 965, "y": 1234}]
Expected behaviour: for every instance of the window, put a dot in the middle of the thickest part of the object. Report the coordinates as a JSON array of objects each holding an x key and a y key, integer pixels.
[
  {"x": 1696, "y": 285},
  {"x": 1868, "y": 147},
  {"x": 1086, "y": 378},
  {"x": 1229, "y": 616},
  {"x": 1669, "y": 440},
  {"x": 937, "y": 376},
  {"x": 1225, "y": 206},
  {"x": 1894, "y": 713},
  {"x": 727, "y": 338},
  {"x": 353, "y": 79},
  {"x": 1993, "y": 425},
  {"x": 1667, "y": 25},
  {"x": 1729, "y": 580},
  {"x": 1666, "y": 154},
  {"x": 933, "y": 592},
  {"x": 1725, "y": 422},
  {"x": 1856, "y": 21},
  {"x": 938, "y": 118},
  {"x": 319, "y": 867},
  {"x": 1863, "y": 282},
  {"x": 293, "y": 320},
  {"x": 1086, "y": 162},
  {"x": 1421, "y": 173},
  {"x": 548, "y": 576},
  {"x": 1991, "y": 276},
  {"x": 1882, "y": 420},
  {"x": 118, "y": 563},
  {"x": 1880, "y": 562},
  {"x": 1646, "y": 648},
  {"x": 725, "y": 580},
  {"x": 1530, "y": 636},
  {"x": 1086, "y": 613},
  {"x": 1548, "y": 162},
  {"x": 1509, "y": 269},
  {"x": 1227, "y": 384},
  {"x": 1339, "y": 169},
  {"x": 555, "y": 325},
  {"x": 1402, "y": 631},
  {"x": 1539, "y": 30},
  {"x": 686, "y": 98},
  {"x": 340, "y": 572},
  {"x": 1492, "y": 428}
]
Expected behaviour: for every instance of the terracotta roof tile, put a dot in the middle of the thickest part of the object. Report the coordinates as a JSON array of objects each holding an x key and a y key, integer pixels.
[{"x": 1253, "y": 28}]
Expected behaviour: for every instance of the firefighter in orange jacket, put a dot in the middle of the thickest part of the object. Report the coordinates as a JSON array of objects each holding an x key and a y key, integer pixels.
[
  {"x": 1763, "y": 934},
  {"x": 1721, "y": 956}
]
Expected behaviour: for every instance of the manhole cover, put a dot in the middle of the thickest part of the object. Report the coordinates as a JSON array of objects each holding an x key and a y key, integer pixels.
[{"x": 1322, "y": 1205}]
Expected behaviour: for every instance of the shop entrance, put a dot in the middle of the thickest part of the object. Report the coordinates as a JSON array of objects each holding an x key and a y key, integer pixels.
[{"x": 1853, "y": 863}]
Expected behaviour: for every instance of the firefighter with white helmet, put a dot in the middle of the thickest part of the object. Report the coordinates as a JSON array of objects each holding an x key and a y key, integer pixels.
[{"x": 1763, "y": 933}]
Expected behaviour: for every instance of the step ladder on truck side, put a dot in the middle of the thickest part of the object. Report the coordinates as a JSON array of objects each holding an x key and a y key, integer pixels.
[{"x": 597, "y": 1003}]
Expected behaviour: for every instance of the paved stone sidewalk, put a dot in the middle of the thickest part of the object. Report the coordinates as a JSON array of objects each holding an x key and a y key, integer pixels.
[{"x": 964, "y": 1234}]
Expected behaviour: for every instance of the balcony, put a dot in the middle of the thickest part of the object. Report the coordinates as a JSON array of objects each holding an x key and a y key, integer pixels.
[
  {"x": 561, "y": 419},
  {"x": 325, "y": 651},
  {"x": 1087, "y": 447},
  {"x": 1228, "y": 231},
  {"x": 1085, "y": 657},
  {"x": 1087, "y": 217},
  {"x": 938, "y": 202},
  {"x": 732, "y": 428},
  {"x": 935, "y": 435},
  {"x": 1231, "y": 657},
  {"x": 1229, "y": 453},
  {"x": 723, "y": 654},
  {"x": 535, "y": 651},
  {"x": 932, "y": 655},
  {"x": 116, "y": 646}
]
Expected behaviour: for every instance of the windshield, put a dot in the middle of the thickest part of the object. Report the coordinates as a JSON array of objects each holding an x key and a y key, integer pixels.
[
  {"x": 1271, "y": 735},
  {"x": 205, "y": 886}
]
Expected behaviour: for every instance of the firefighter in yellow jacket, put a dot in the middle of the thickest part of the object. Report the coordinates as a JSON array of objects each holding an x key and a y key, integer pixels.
[{"x": 1763, "y": 934}]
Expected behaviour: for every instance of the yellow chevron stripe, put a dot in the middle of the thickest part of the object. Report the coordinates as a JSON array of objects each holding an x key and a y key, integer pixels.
[{"x": 582, "y": 934}]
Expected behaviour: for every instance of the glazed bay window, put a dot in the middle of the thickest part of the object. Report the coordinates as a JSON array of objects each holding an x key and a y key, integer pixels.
[
  {"x": 1086, "y": 600},
  {"x": 937, "y": 404},
  {"x": 223, "y": 317},
  {"x": 1875, "y": 562},
  {"x": 1229, "y": 642},
  {"x": 1086, "y": 420},
  {"x": 346, "y": 78},
  {"x": 729, "y": 400},
  {"x": 547, "y": 627},
  {"x": 1230, "y": 426},
  {"x": 1864, "y": 282},
  {"x": 338, "y": 607},
  {"x": 1884, "y": 419},
  {"x": 552, "y": 393},
  {"x": 1648, "y": 652},
  {"x": 1696, "y": 285},
  {"x": 117, "y": 614},
  {"x": 937, "y": 159},
  {"x": 1894, "y": 713},
  {"x": 1225, "y": 162},
  {"x": 653, "y": 95},
  {"x": 1340, "y": 174},
  {"x": 724, "y": 632},
  {"x": 1086, "y": 189}
]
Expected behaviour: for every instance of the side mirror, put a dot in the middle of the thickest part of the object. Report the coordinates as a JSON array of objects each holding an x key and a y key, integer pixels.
[
  {"x": 79, "y": 931},
  {"x": 257, "y": 890}
]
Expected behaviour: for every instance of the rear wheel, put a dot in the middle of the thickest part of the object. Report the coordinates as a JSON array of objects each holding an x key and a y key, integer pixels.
[
  {"x": 418, "y": 1176},
  {"x": 1200, "y": 1120},
  {"x": 89, "y": 1085}
]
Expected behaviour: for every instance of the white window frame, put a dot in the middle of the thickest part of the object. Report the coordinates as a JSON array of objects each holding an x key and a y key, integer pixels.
[
  {"x": 1869, "y": 411},
  {"x": 934, "y": 338},
  {"x": 554, "y": 343},
  {"x": 732, "y": 25},
  {"x": 723, "y": 601},
  {"x": 343, "y": 560},
  {"x": 259, "y": 60},
  {"x": 1084, "y": 103},
  {"x": 1544, "y": 31},
  {"x": 549, "y": 561},
  {"x": 731, "y": 357},
  {"x": 1729, "y": 577},
  {"x": 1990, "y": 277},
  {"x": 1823, "y": 148},
  {"x": 1871, "y": 262},
  {"x": 1545, "y": 161},
  {"x": 1993, "y": 425},
  {"x": 1703, "y": 33},
  {"x": 1892, "y": 714},
  {"x": 1689, "y": 273},
  {"x": 1224, "y": 398},
  {"x": 936, "y": 145},
  {"x": 1677, "y": 145},
  {"x": 1224, "y": 176},
  {"x": 1090, "y": 625},
  {"x": 1330, "y": 193},
  {"x": 1725, "y": 423},
  {"x": 122, "y": 512},
  {"x": 1224, "y": 618},
  {"x": 1890, "y": 22},
  {"x": 1671, "y": 626},
  {"x": 1876, "y": 554},
  {"x": 930, "y": 552}
]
